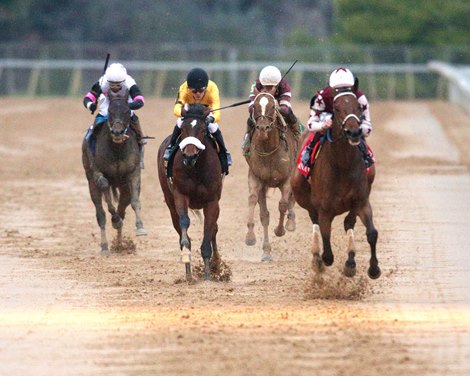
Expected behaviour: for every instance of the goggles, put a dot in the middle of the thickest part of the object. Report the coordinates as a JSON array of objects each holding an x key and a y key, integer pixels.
[{"x": 201, "y": 90}]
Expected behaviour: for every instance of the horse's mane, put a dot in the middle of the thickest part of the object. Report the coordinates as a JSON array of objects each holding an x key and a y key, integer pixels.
[{"x": 195, "y": 111}]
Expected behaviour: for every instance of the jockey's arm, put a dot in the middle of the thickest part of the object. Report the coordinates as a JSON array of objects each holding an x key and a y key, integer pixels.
[
  {"x": 366, "y": 124},
  {"x": 92, "y": 96},
  {"x": 137, "y": 98},
  {"x": 316, "y": 123}
]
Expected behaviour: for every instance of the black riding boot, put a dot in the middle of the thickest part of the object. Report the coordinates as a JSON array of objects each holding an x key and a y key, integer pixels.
[
  {"x": 250, "y": 124},
  {"x": 291, "y": 121},
  {"x": 224, "y": 154},
  {"x": 368, "y": 159},
  {"x": 174, "y": 137}
]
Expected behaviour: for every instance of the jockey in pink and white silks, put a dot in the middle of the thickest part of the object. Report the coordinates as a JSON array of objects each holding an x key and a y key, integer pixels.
[
  {"x": 115, "y": 79},
  {"x": 321, "y": 111}
]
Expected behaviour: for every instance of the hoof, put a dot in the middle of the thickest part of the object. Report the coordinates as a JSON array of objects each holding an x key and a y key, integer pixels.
[
  {"x": 280, "y": 231},
  {"x": 207, "y": 270},
  {"x": 266, "y": 257},
  {"x": 349, "y": 272},
  {"x": 141, "y": 232},
  {"x": 374, "y": 273},
  {"x": 317, "y": 264},
  {"x": 105, "y": 250},
  {"x": 102, "y": 183},
  {"x": 189, "y": 276},
  {"x": 290, "y": 225},
  {"x": 327, "y": 259},
  {"x": 250, "y": 241}
]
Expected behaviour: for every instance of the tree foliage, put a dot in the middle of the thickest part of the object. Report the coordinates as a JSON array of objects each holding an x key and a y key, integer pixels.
[{"x": 410, "y": 22}]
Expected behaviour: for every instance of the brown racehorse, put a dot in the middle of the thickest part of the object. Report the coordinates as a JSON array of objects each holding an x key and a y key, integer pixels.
[
  {"x": 196, "y": 184},
  {"x": 271, "y": 159},
  {"x": 117, "y": 161},
  {"x": 338, "y": 183}
]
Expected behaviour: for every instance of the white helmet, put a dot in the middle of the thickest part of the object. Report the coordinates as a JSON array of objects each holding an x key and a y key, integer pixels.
[
  {"x": 116, "y": 73},
  {"x": 270, "y": 75},
  {"x": 341, "y": 77}
]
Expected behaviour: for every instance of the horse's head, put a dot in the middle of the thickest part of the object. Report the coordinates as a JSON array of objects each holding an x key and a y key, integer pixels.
[
  {"x": 119, "y": 116},
  {"x": 264, "y": 113},
  {"x": 193, "y": 132},
  {"x": 347, "y": 116}
]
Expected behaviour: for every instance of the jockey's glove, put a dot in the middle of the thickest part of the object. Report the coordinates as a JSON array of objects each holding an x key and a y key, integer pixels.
[
  {"x": 209, "y": 119},
  {"x": 91, "y": 106},
  {"x": 136, "y": 104}
]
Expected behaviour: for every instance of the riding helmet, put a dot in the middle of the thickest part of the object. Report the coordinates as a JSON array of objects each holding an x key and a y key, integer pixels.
[
  {"x": 116, "y": 73},
  {"x": 341, "y": 77},
  {"x": 270, "y": 76},
  {"x": 197, "y": 78}
]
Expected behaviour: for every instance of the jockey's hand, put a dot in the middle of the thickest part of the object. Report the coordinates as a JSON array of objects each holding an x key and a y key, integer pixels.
[
  {"x": 207, "y": 111},
  {"x": 92, "y": 107},
  {"x": 184, "y": 110},
  {"x": 209, "y": 119},
  {"x": 326, "y": 124}
]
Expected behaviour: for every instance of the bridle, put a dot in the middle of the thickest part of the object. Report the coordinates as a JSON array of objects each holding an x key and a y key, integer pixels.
[
  {"x": 190, "y": 160},
  {"x": 342, "y": 122},
  {"x": 121, "y": 136}
]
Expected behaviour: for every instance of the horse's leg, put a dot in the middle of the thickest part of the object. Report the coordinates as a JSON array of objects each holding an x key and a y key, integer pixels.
[
  {"x": 96, "y": 198},
  {"x": 135, "y": 202},
  {"x": 325, "y": 229},
  {"x": 116, "y": 219},
  {"x": 211, "y": 215},
  {"x": 317, "y": 262},
  {"x": 264, "y": 217},
  {"x": 372, "y": 234},
  {"x": 254, "y": 186},
  {"x": 283, "y": 206},
  {"x": 290, "y": 224},
  {"x": 350, "y": 265},
  {"x": 181, "y": 214}
]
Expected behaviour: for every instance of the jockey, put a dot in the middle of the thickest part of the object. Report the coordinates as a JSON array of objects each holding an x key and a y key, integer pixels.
[
  {"x": 321, "y": 111},
  {"x": 270, "y": 81},
  {"x": 198, "y": 89},
  {"x": 115, "y": 79}
]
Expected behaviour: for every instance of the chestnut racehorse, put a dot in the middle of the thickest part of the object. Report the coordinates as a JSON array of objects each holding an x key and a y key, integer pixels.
[
  {"x": 271, "y": 160},
  {"x": 338, "y": 183}
]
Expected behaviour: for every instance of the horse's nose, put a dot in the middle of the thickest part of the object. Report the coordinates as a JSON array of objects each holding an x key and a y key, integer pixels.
[{"x": 354, "y": 133}]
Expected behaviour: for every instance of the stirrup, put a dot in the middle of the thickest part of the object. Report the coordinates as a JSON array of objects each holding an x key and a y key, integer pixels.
[{"x": 229, "y": 159}]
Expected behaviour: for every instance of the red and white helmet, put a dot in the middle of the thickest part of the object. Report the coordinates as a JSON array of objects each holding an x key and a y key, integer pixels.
[
  {"x": 270, "y": 76},
  {"x": 116, "y": 73},
  {"x": 341, "y": 77}
]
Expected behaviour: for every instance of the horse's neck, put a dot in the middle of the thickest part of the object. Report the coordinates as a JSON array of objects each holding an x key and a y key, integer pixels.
[{"x": 341, "y": 153}]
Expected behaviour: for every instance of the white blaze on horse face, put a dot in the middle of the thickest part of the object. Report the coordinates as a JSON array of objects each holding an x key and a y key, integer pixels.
[
  {"x": 193, "y": 123},
  {"x": 263, "y": 102}
]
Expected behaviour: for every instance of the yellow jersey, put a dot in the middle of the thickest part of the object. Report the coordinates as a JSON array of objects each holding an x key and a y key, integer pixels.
[{"x": 211, "y": 99}]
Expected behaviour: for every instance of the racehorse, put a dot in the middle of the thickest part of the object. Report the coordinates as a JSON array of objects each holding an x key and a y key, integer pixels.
[
  {"x": 116, "y": 161},
  {"x": 271, "y": 159},
  {"x": 338, "y": 183},
  {"x": 196, "y": 183}
]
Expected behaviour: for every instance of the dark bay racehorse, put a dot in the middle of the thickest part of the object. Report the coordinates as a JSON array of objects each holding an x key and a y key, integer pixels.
[
  {"x": 196, "y": 184},
  {"x": 338, "y": 183},
  {"x": 271, "y": 159},
  {"x": 116, "y": 161}
]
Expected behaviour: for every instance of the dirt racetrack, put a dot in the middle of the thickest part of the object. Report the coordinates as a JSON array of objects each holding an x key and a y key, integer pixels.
[{"x": 65, "y": 310}]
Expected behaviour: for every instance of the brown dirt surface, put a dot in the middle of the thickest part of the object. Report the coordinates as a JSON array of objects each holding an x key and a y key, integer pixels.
[{"x": 64, "y": 309}]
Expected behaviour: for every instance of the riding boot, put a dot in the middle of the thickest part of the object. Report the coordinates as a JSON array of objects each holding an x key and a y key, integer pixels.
[
  {"x": 174, "y": 137},
  {"x": 291, "y": 121},
  {"x": 141, "y": 140},
  {"x": 224, "y": 154},
  {"x": 368, "y": 159},
  {"x": 250, "y": 124},
  {"x": 307, "y": 153}
]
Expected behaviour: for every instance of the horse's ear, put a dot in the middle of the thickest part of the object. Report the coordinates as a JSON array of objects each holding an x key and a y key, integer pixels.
[{"x": 356, "y": 84}]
